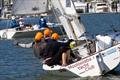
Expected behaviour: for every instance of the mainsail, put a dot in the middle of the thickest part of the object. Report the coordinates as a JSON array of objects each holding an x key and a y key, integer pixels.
[
  {"x": 68, "y": 16},
  {"x": 22, "y": 7}
]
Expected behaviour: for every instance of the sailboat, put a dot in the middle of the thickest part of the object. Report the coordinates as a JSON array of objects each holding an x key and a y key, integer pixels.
[
  {"x": 96, "y": 60},
  {"x": 12, "y": 33},
  {"x": 28, "y": 8}
]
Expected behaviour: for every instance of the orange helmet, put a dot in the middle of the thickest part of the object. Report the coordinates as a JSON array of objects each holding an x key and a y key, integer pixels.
[
  {"x": 47, "y": 32},
  {"x": 38, "y": 36},
  {"x": 55, "y": 36}
]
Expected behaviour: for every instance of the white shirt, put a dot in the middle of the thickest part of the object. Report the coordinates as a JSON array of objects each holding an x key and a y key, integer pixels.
[
  {"x": 21, "y": 23},
  {"x": 35, "y": 27}
]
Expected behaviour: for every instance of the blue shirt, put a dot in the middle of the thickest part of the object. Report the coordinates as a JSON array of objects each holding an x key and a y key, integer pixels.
[
  {"x": 13, "y": 23},
  {"x": 42, "y": 23}
]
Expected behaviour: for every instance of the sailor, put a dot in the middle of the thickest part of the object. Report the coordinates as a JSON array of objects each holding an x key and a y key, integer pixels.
[
  {"x": 13, "y": 22},
  {"x": 47, "y": 34},
  {"x": 21, "y": 22},
  {"x": 38, "y": 45},
  {"x": 56, "y": 52},
  {"x": 42, "y": 42},
  {"x": 42, "y": 22}
]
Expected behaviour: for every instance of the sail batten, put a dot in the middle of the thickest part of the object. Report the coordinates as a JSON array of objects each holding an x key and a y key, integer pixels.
[{"x": 24, "y": 7}]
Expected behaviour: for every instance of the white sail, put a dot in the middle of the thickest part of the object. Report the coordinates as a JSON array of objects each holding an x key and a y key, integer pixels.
[
  {"x": 68, "y": 17},
  {"x": 21, "y": 7}
]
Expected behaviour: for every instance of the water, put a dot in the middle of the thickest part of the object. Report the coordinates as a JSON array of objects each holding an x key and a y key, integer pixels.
[
  {"x": 100, "y": 23},
  {"x": 18, "y": 63}
]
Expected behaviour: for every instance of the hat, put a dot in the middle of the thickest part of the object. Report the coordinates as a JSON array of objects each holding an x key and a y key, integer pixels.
[
  {"x": 55, "y": 36},
  {"x": 13, "y": 17},
  {"x": 47, "y": 32},
  {"x": 38, "y": 36}
]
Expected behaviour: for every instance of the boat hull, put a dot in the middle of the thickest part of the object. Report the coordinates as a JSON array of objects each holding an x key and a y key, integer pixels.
[
  {"x": 61, "y": 73},
  {"x": 95, "y": 65},
  {"x": 12, "y": 33},
  {"x": 25, "y": 34},
  {"x": 115, "y": 71}
]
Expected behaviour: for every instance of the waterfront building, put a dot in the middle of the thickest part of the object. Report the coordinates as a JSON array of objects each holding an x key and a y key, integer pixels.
[{"x": 5, "y": 8}]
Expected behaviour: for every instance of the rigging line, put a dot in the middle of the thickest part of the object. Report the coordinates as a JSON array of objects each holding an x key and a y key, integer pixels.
[
  {"x": 56, "y": 17},
  {"x": 71, "y": 2},
  {"x": 78, "y": 16},
  {"x": 76, "y": 13},
  {"x": 64, "y": 14},
  {"x": 58, "y": 21}
]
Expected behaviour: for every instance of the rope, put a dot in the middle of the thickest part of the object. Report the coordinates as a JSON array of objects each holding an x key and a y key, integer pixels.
[{"x": 57, "y": 20}]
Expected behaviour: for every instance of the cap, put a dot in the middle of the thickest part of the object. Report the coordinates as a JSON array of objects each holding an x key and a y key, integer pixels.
[
  {"x": 47, "y": 32},
  {"x": 13, "y": 17},
  {"x": 55, "y": 36},
  {"x": 38, "y": 36}
]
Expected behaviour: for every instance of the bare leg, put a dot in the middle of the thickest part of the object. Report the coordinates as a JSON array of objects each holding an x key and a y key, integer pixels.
[
  {"x": 65, "y": 58},
  {"x": 68, "y": 56}
]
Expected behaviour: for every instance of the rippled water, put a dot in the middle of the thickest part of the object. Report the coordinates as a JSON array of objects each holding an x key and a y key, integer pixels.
[{"x": 18, "y": 63}]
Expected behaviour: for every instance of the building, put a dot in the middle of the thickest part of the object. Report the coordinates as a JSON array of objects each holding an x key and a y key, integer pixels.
[
  {"x": 1, "y": 6},
  {"x": 5, "y": 8}
]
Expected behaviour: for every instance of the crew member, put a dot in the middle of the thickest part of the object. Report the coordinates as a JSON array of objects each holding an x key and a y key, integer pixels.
[
  {"x": 42, "y": 42},
  {"x": 38, "y": 45},
  {"x": 13, "y": 22},
  {"x": 56, "y": 52},
  {"x": 42, "y": 22},
  {"x": 47, "y": 34}
]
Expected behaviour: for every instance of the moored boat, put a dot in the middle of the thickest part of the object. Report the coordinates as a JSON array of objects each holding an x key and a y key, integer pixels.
[
  {"x": 28, "y": 8},
  {"x": 12, "y": 33}
]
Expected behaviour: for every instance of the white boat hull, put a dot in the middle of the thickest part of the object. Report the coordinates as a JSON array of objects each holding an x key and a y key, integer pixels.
[
  {"x": 7, "y": 33},
  {"x": 13, "y": 33},
  {"x": 95, "y": 65},
  {"x": 63, "y": 73}
]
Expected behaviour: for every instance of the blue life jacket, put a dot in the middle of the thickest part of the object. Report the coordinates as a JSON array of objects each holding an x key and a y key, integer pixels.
[
  {"x": 42, "y": 23},
  {"x": 13, "y": 23}
]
